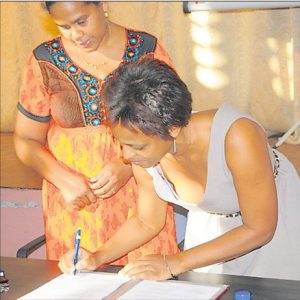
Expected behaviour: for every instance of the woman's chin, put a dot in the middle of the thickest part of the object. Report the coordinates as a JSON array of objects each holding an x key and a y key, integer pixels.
[{"x": 144, "y": 164}]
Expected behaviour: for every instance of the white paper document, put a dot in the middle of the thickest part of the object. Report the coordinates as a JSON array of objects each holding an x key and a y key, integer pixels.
[
  {"x": 166, "y": 290},
  {"x": 100, "y": 285},
  {"x": 82, "y": 286}
]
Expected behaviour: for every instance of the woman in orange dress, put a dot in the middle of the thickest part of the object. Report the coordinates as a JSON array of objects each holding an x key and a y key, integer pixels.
[{"x": 61, "y": 130}]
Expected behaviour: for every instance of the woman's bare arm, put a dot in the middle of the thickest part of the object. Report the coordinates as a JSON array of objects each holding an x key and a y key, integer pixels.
[
  {"x": 248, "y": 160},
  {"x": 30, "y": 139},
  {"x": 140, "y": 228}
]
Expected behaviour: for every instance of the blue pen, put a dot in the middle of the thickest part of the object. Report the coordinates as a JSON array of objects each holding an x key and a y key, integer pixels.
[{"x": 77, "y": 245}]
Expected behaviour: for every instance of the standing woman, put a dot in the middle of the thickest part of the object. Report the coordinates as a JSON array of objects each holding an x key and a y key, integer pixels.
[{"x": 61, "y": 129}]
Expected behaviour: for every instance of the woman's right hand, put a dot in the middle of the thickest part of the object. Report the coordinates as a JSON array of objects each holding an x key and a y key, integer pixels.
[
  {"x": 86, "y": 262},
  {"x": 76, "y": 192}
]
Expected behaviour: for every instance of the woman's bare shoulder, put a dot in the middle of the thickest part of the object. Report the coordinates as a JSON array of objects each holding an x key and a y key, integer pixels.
[
  {"x": 203, "y": 115},
  {"x": 245, "y": 130},
  {"x": 200, "y": 124},
  {"x": 202, "y": 119}
]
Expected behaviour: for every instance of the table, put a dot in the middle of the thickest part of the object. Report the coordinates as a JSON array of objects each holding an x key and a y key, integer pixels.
[{"x": 26, "y": 275}]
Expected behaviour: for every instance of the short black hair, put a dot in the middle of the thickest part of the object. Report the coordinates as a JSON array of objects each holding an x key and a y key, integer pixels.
[
  {"x": 149, "y": 95},
  {"x": 48, "y": 4}
]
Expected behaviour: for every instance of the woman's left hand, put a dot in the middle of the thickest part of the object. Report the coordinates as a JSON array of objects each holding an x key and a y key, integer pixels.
[
  {"x": 151, "y": 267},
  {"x": 111, "y": 178}
]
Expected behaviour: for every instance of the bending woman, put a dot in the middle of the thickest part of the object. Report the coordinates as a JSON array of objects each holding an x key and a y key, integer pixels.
[
  {"x": 62, "y": 133},
  {"x": 242, "y": 196}
]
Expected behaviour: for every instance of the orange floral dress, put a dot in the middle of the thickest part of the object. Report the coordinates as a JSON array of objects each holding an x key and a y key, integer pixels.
[{"x": 57, "y": 91}]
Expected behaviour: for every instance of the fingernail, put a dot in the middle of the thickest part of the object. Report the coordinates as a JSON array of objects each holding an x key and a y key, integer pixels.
[
  {"x": 122, "y": 275},
  {"x": 79, "y": 266}
]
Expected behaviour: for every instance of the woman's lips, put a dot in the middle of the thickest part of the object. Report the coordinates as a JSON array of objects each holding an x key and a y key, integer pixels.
[{"x": 85, "y": 44}]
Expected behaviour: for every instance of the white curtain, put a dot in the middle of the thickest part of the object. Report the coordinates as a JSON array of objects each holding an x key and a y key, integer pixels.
[{"x": 250, "y": 58}]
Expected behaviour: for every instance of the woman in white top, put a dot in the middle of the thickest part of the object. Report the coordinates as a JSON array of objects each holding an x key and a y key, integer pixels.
[{"x": 243, "y": 197}]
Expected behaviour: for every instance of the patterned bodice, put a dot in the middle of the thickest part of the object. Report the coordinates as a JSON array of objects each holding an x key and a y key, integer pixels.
[{"x": 75, "y": 94}]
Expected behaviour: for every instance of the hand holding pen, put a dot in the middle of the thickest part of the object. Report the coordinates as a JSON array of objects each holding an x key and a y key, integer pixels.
[
  {"x": 73, "y": 261},
  {"x": 76, "y": 253}
]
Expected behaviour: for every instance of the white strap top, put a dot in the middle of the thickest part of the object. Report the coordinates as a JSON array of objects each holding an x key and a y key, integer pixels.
[{"x": 220, "y": 195}]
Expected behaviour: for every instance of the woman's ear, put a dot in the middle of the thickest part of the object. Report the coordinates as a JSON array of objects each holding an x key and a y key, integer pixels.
[{"x": 174, "y": 131}]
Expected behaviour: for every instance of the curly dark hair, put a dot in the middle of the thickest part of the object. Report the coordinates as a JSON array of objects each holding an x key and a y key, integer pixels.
[
  {"x": 148, "y": 95},
  {"x": 48, "y": 4}
]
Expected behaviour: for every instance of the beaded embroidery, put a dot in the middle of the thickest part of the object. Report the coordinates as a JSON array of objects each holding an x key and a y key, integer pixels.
[
  {"x": 236, "y": 214},
  {"x": 92, "y": 104},
  {"x": 276, "y": 164}
]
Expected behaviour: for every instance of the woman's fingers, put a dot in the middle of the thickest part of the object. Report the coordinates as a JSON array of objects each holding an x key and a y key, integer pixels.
[
  {"x": 90, "y": 198},
  {"x": 98, "y": 182},
  {"x": 149, "y": 267},
  {"x": 87, "y": 199},
  {"x": 105, "y": 189},
  {"x": 66, "y": 263},
  {"x": 106, "y": 192},
  {"x": 85, "y": 262},
  {"x": 137, "y": 270}
]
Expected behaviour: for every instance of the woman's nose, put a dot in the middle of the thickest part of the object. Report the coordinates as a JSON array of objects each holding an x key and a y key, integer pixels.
[
  {"x": 127, "y": 153},
  {"x": 76, "y": 34}
]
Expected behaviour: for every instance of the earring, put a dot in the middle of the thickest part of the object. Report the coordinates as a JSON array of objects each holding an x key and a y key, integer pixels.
[
  {"x": 106, "y": 14},
  {"x": 174, "y": 146}
]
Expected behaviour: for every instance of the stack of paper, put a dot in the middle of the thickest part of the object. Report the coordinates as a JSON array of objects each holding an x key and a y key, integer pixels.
[{"x": 106, "y": 286}]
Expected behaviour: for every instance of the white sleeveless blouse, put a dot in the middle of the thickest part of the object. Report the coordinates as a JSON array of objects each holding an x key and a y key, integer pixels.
[{"x": 219, "y": 210}]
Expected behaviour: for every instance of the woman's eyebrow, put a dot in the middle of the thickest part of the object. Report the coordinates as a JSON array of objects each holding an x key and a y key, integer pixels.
[
  {"x": 73, "y": 22},
  {"x": 133, "y": 145}
]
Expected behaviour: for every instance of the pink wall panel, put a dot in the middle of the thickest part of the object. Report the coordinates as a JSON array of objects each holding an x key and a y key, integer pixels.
[{"x": 21, "y": 220}]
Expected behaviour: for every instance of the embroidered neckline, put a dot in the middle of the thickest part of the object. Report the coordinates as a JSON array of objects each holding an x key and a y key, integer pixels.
[{"x": 90, "y": 87}]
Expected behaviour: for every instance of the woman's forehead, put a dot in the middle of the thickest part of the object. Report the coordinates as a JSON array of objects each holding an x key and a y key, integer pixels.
[
  {"x": 128, "y": 133},
  {"x": 68, "y": 9}
]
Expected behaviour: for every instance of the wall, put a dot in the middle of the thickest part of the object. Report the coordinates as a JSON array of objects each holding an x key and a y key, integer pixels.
[
  {"x": 250, "y": 58},
  {"x": 21, "y": 220}
]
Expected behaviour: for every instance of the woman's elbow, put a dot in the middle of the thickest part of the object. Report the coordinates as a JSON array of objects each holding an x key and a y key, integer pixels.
[
  {"x": 23, "y": 148},
  {"x": 153, "y": 228},
  {"x": 19, "y": 146},
  {"x": 267, "y": 232}
]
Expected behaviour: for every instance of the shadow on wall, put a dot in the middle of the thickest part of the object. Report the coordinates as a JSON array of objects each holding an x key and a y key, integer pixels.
[
  {"x": 245, "y": 58},
  {"x": 206, "y": 52},
  {"x": 21, "y": 220}
]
